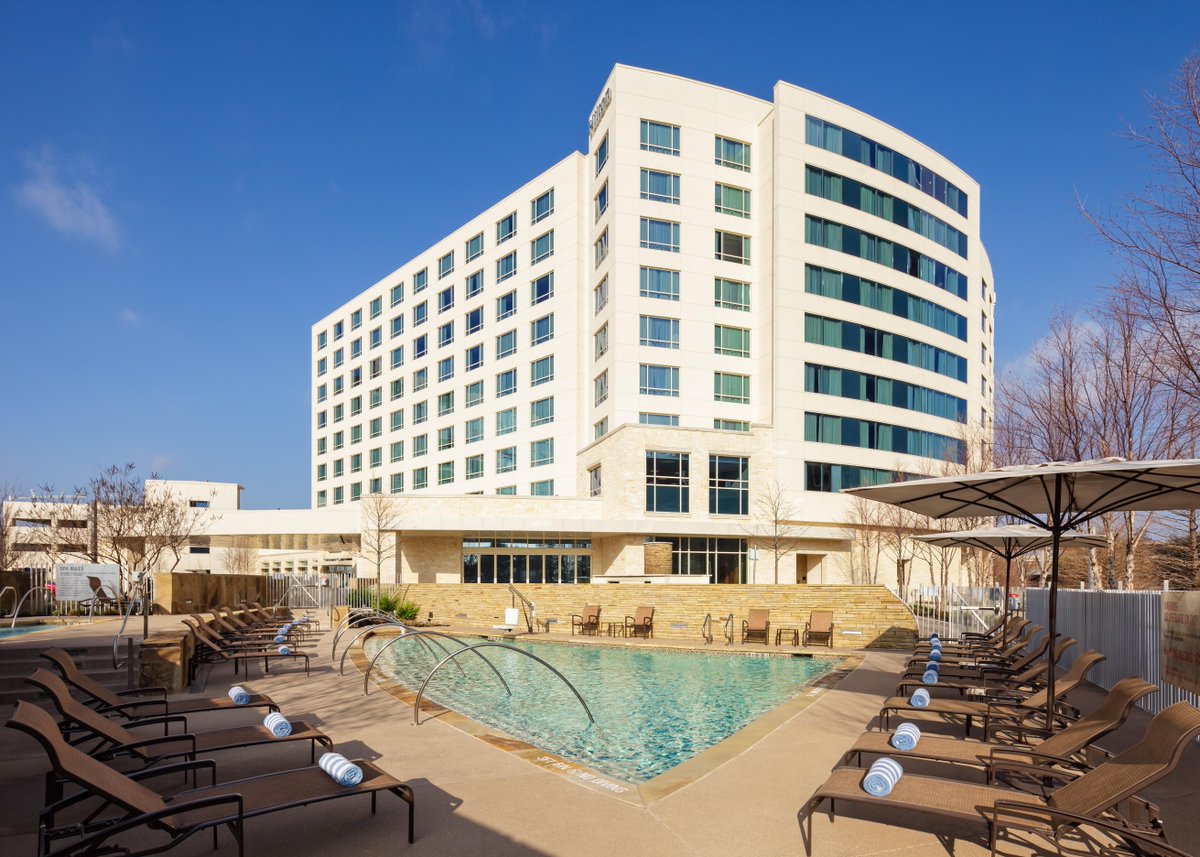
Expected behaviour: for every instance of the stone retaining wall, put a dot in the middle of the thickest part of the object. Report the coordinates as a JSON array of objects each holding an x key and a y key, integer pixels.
[{"x": 188, "y": 592}]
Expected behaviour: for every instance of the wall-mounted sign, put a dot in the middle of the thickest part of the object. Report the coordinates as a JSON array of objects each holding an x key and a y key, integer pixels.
[
  {"x": 599, "y": 112},
  {"x": 1181, "y": 640},
  {"x": 84, "y": 581}
]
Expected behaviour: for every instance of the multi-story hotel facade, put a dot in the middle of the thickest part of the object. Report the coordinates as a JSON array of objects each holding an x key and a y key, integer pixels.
[{"x": 725, "y": 298}]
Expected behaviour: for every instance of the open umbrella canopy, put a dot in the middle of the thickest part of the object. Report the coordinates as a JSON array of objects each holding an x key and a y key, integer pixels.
[{"x": 1009, "y": 542}]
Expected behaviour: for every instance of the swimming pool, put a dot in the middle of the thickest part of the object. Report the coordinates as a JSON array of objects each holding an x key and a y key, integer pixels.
[
  {"x": 654, "y": 708},
  {"x": 5, "y": 633}
]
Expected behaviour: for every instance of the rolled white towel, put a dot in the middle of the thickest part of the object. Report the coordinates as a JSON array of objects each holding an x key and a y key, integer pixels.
[
  {"x": 278, "y": 724},
  {"x": 280, "y": 639},
  {"x": 284, "y": 629},
  {"x": 304, "y": 620},
  {"x": 920, "y": 698},
  {"x": 935, "y": 655},
  {"x": 284, "y": 650},
  {"x": 929, "y": 677},
  {"x": 340, "y": 769},
  {"x": 882, "y": 777},
  {"x": 239, "y": 695},
  {"x": 905, "y": 737},
  {"x": 933, "y": 638}
]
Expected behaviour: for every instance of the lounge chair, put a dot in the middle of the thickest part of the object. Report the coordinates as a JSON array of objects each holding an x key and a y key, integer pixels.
[
  {"x": 819, "y": 627},
  {"x": 757, "y": 626},
  {"x": 211, "y": 648},
  {"x": 106, "y": 701},
  {"x": 589, "y": 622},
  {"x": 1033, "y": 676},
  {"x": 228, "y": 804},
  {"x": 985, "y": 668},
  {"x": 641, "y": 623},
  {"x": 951, "y": 653},
  {"x": 1093, "y": 794},
  {"x": 988, "y": 711}
]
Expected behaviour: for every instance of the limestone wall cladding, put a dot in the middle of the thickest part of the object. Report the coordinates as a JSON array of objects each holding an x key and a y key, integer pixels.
[
  {"x": 864, "y": 616},
  {"x": 176, "y": 592},
  {"x": 429, "y": 559}
]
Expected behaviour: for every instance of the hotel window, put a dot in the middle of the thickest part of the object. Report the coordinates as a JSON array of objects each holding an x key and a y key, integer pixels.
[
  {"x": 420, "y": 280},
  {"x": 339, "y": 467},
  {"x": 600, "y": 248},
  {"x": 375, "y": 367},
  {"x": 541, "y": 248},
  {"x": 474, "y": 247},
  {"x": 474, "y": 466},
  {"x": 600, "y": 429},
  {"x": 732, "y": 153},
  {"x": 420, "y": 313},
  {"x": 397, "y": 328},
  {"x": 356, "y": 463},
  {"x": 445, "y": 369},
  {"x": 728, "y": 387},
  {"x": 506, "y": 228},
  {"x": 660, "y": 235},
  {"x": 506, "y": 459},
  {"x": 445, "y": 438},
  {"x": 600, "y": 296},
  {"x": 397, "y": 356},
  {"x": 397, "y": 419},
  {"x": 445, "y": 299},
  {"x": 506, "y": 421},
  {"x": 446, "y": 265},
  {"x": 732, "y": 341},
  {"x": 541, "y": 289},
  {"x": 420, "y": 445},
  {"x": 376, "y": 397},
  {"x": 321, "y": 499},
  {"x": 602, "y": 154},
  {"x": 658, "y": 419},
  {"x": 600, "y": 342},
  {"x": 660, "y": 187},
  {"x": 474, "y": 394},
  {"x": 542, "y": 207},
  {"x": 600, "y": 388},
  {"x": 731, "y": 200},
  {"x": 397, "y": 294},
  {"x": 376, "y": 485},
  {"x": 541, "y": 411},
  {"x": 375, "y": 427},
  {"x": 420, "y": 379},
  {"x": 445, "y": 403},
  {"x": 541, "y": 371},
  {"x": 474, "y": 357},
  {"x": 600, "y": 203},
  {"x": 731, "y": 425},
  {"x": 594, "y": 481},
  {"x": 731, "y": 294},
  {"x": 728, "y": 485},
  {"x": 339, "y": 495},
  {"x": 356, "y": 319},
  {"x": 506, "y": 305},
  {"x": 376, "y": 307},
  {"x": 375, "y": 457},
  {"x": 659, "y": 283},
  {"x": 356, "y": 406},
  {"x": 323, "y": 339},
  {"x": 445, "y": 334},
  {"x": 397, "y": 391},
  {"x": 506, "y": 344},
  {"x": 322, "y": 367},
  {"x": 667, "y": 482},
  {"x": 474, "y": 284},
  {"x": 339, "y": 357},
  {"x": 541, "y": 329},
  {"x": 321, "y": 419},
  {"x": 420, "y": 478},
  {"x": 474, "y": 320},
  {"x": 321, "y": 446},
  {"x": 420, "y": 412},
  {"x": 507, "y": 490},
  {"x": 659, "y": 137},
  {"x": 506, "y": 267},
  {"x": 658, "y": 380},
  {"x": 339, "y": 328},
  {"x": 339, "y": 439},
  {"x": 474, "y": 430},
  {"x": 322, "y": 393},
  {"x": 506, "y": 383},
  {"x": 731, "y": 247},
  {"x": 355, "y": 434},
  {"x": 356, "y": 348},
  {"x": 339, "y": 384},
  {"x": 541, "y": 452},
  {"x": 355, "y": 491},
  {"x": 355, "y": 376},
  {"x": 544, "y": 488},
  {"x": 397, "y": 485},
  {"x": 420, "y": 346},
  {"x": 658, "y": 332}
]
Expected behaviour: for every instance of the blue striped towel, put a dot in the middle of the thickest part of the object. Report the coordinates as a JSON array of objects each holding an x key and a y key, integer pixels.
[
  {"x": 933, "y": 638},
  {"x": 239, "y": 695},
  {"x": 280, "y": 639},
  {"x": 342, "y": 770},
  {"x": 920, "y": 698},
  {"x": 935, "y": 655},
  {"x": 284, "y": 650},
  {"x": 929, "y": 677},
  {"x": 933, "y": 665},
  {"x": 278, "y": 724},
  {"x": 304, "y": 620},
  {"x": 905, "y": 737},
  {"x": 285, "y": 629},
  {"x": 882, "y": 777}
]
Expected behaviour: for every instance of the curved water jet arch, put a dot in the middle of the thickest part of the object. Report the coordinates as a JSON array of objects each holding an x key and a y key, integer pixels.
[
  {"x": 383, "y": 618},
  {"x": 416, "y": 632},
  {"x": 395, "y": 623},
  {"x": 487, "y": 644}
]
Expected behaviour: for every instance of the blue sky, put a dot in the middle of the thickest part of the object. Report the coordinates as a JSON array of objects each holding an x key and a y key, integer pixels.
[{"x": 186, "y": 187}]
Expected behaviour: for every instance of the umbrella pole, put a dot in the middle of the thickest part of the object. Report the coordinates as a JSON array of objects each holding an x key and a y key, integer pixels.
[
  {"x": 1055, "y": 519},
  {"x": 1004, "y": 627}
]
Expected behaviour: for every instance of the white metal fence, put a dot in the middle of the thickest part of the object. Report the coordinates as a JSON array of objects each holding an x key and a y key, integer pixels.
[
  {"x": 1124, "y": 626},
  {"x": 953, "y": 610}
]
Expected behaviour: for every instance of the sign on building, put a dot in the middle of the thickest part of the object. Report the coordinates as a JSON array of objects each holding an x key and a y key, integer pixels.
[
  {"x": 1181, "y": 640},
  {"x": 84, "y": 581}
]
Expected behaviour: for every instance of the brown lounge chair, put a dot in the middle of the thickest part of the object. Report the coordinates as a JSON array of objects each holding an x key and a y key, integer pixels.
[
  {"x": 756, "y": 626},
  {"x": 1066, "y": 743},
  {"x": 641, "y": 623},
  {"x": 953, "y": 654},
  {"x": 819, "y": 627},
  {"x": 106, "y": 701},
  {"x": 1032, "y": 675},
  {"x": 1093, "y": 794},
  {"x": 987, "y": 711},
  {"x": 589, "y": 622},
  {"x": 228, "y": 804},
  {"x": 985, "y": 667},
  {"x": 213, "y": 647}
]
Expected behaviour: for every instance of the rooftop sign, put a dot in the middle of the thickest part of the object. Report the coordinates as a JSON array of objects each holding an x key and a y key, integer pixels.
[{"x": 599, "y": 111}]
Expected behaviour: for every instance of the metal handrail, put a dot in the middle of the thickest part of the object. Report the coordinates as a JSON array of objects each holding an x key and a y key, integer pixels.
[
  {"x": 525, "y": 602},
  {"x": 415, "y": 632},
  {"x": 362, "y": 632},
  {"x": 11, "y": 589},
  {"x": 352, "y": 620},
  {"x": 491, "y": 644},
  {"x": 727, "y": 628},
  {"x": 706, "y": 630},
  {"x": 136, "y": 594},
  {"x": 17, "y": 609}
]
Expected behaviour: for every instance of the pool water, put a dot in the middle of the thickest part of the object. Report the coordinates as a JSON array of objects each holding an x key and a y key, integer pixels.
[
  {"x": 654, "y": 708},
  {"x": 5, "y": 633}
]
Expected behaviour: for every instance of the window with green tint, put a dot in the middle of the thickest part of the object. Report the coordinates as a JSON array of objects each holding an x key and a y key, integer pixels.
[
  {"x": 731, "y": 425},
  {"x": 322, "y": 393},
  {"x": 376, "y": 485},
  {"x": 542, "y": 207},
  {"x": 541, "y": 248},
  {"x": 506, "y": 383},
  {"x": 658, "y": 332},
  {"x": 601, "y": 247},
  {"x": 541, "y": 452},
  {"x": 474, "y": 248},
  {"x": 897, "y": 302},
  {"x": 397, "y": 389},
  {"x": 376, "y": 397},
  {"x": 356, "y": 319},
  {"x": 339, "y": 467},
  {"x": 355, "y": 491},
  {"x": 600, "y": 388},
  {"x": 658, "y": 283},
  {"x": 339, "y": 357},
  {"x": 731, "y": 200},
  {"x": 600, "y": 429},
  {"x": 659, "y": 235},
  {"x": 474, "y": 357},
  {"x": 474, "y": 466},
  {"x": 728, "y": 485},
  {"x": 541, "y": 289},
  {"x": 600, "y": 203},
  {"x": 506, "y": 421},
  {"x": 356, "y": 463},
  {"x": 667, "y": 482},
  {"x": 322, "y": 499},
  {"x": 868, "y": 434},
  {"x": 375, "y": 457},
  {"x": 376, "y": 307},
  {"x": 732, "y": 341},
  {"x": 506, "y": 344},
  {"x": 731, "y": 247},
  {"x": 397, "y": 419},
  {"x": 600, "y": 296},
  {"x": 732, "y": 153},
  {"x": 506, "y": 459},
  {"x": 507, "y": 490},
  {"x": 541, "y": 371},
  {"x": 420, "y": 380},
  {"x": 474, "y": 394},
  {"x": 659, "y": 137},
  {"x": 506, "y": 228},
  {"x": 338, "y": 439},
  {"x": 420, "y": 478},
  {"x": 658, "y": 419},
  {"x": 420, "y": 445},
  {"x": 728, "y": 387},
  {"x": 541, "y": 411},
  {"x": 445, "y": 403},
  {"x": 321, "y": 472},
  {"x": 338, "y": 495},
  {"x": 322, "y": 367},
  {"x": 506, "y": 305},
  {"x": 658, "y": 380},
  {"x": 543, "y": 488},
  {"x": 835, "y": 477},
  {"x": 445, "y": 438},
  {"x": 321, "y": 446},
  {"x": 849, "y": 336},
  {"x": 600, "y": 342},
  {"x": 420, "y": 313},
  {"x": 356, "y": 434},
  {"x": 397, "y": 451},
  {"x": 397, "y": 293},
  {"x": 474, "y": 430},
  {"x": 731, "y": 294},
  {"x": 474, "y": 320},
  {"x": 397, "y": 483},
  {"x": 375, "y": 427},
  {"x": 445, "y": 334},
  {"x": 541, "y": 329},
  {"x": 863, "y": 386},
  {"x": 660, "y": 187},
  {"x": 601, "y": 154},
  {"x": 445, "y": 369},
  {"x": 446, "y": 265}
]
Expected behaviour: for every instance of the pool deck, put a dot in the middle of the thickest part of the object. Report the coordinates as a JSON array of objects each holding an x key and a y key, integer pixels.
[{"x": 473, "y": 799}]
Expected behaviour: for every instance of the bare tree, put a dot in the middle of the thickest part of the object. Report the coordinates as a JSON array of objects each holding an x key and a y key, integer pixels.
[
  {"x": 774, "y": 526},
  {"x": 239, "y": 559},
  {"x": 897, "y": 526},
  {"x": 10, "y": 550},
  {"x": 866, "y": 518},
  {"x": 380, "y": 538}
]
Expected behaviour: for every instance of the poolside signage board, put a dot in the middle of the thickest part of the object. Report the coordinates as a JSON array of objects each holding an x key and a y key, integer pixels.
[
  {"x": 1181, "y": 640},
  {"x": 75, "y": 580}
]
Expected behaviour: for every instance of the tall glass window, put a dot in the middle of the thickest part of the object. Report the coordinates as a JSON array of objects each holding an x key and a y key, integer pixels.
[
  {"x": 897, "y": 302},
  {"x": 474, "y": 466},
  {"x": 659, "y": 332},
  {"x": 541, "y": 452},
  {"x": 506, "y": 267},
  {"x": 660, "y": 187},
  {"x": 474, "y": 284},
  {"x": 658, "y": 380},
  {"x": 541, "y": 411},
  {"x": 541, "y": 248},
  {"x": 731, "y": 247},
  {"x": 446, "y": 265},
  {"x": 474, "y": 430},
  {"x": 506, "y": 459},
  {"x": 542, "y": 207},
  {"x": 506, "y": 228},
  {"x": 731, "y": 200},
  {"x": 849, "y": 336},
  {"x": 732, "y": 153},
  {"x": 541, "y": 289},
  {"x": 474, "y": 248},
  {"x": 728, "y": 485},
  {"x": 506, "y": 305},
  {"x": 541, "y": 371},
  {"x": 868, "y": 434},
  {"x": 601, "y": 154},
  {"x": 660, "y": 137},
  {"x": 506, "y": 383},
  {"x": 667, "y": 482},
  {"x": 506, "y": 421},
  {"x": 728, "y": 387},
  {"x": 541, "y": 329},
  {"x": 659, "y": 283},
  {"x": 659, "y": 235},
  {"x": 731, "y": 294},
  {"x": 506, "y": 344},
  {"x": 731, "y": 341}
]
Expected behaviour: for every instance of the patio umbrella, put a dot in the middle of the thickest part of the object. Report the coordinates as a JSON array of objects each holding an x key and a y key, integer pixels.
[
  {"x": 1007, "y": 543},
  {"x": 1057, "y": 496}
]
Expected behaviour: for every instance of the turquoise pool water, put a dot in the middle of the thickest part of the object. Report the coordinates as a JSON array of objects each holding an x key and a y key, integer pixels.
[
  {"x": 653, "y": 708},
  {"x": 22, "y": 629}
]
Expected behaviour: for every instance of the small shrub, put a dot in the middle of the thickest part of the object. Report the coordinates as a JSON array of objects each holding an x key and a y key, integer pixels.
[{"x": 407, "y": 611}]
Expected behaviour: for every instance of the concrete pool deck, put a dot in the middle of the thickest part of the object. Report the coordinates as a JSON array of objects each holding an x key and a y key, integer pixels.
[{"x": 474, "y": 800}]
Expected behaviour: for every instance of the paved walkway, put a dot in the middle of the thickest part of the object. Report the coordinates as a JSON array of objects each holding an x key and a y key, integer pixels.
[{"x": 473, "y": 799}]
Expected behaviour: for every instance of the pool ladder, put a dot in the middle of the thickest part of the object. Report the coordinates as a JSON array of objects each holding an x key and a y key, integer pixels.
[{"x": 726, "y": 629}]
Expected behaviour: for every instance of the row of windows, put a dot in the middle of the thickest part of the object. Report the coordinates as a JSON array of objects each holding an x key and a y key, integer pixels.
[
  {"x": 505, "y": 568},
  {"x": 664, "y": 235},
  {"x": 835, "y": 477},
  {"x": 420, "y": 480},
  {"x": 659, "y": 332},
  {"x": 656, "y": 380},
  {"x": 668, "y": 488},
  {"x": 866, "y": 151},
  {"x": 863, "y": 197},
  {"x": 897, "y": 302},
  {"x": 859, "y": 338},
  {"x": 868, "y": 434},
  {"x": 864, "y": 387},
  {"x": 664, "y": 139},
  {"x": 657, "y": 186},
  {"x": 864, "y": 245}
]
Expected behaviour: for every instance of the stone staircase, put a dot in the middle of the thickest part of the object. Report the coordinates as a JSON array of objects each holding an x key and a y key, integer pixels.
[{"x": 96, "y": 661}]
